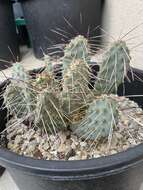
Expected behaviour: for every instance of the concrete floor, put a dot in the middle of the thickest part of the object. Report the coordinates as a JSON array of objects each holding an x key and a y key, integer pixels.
[{"x": 7, "y": 183}]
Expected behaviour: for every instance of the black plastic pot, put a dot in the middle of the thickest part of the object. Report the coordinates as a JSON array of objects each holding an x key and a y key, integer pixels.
[
  {"x": 123, "y": 171},
  {"x": 1, "y": 170},
  {"x": 68, "y": 17},
  {"x": 9, "y": 50}
]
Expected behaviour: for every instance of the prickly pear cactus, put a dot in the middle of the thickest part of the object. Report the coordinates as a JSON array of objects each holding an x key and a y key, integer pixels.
[
  {"x": 69, "y": 102},
  {"x": 49, "y": 78},
  {"x": 76, "y": 74},
  {"x": 76, "y": 79},
  {"x": 113, "y": 69},
  {"x": 77, "y": 49},
  {"x": 75, "y": 86},
  {"x": 19, "y": 102},
  {"x": 47, "y": 114},
  {"x": 19, "y": 73},
  {"x": 45, "y": 77},
  {"x": 19, "y": 98},
  {"x": 13, "y": 100},
  {"x": 100, "y": 119},
  {"x": 48, "y": 64}
]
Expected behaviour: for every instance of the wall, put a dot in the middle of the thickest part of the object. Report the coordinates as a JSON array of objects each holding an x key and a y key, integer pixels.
[{"x": 121, "y": 16}]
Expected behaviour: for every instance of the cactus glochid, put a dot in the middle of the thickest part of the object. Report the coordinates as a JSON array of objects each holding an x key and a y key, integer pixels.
[{"x": 90, "y": 113}]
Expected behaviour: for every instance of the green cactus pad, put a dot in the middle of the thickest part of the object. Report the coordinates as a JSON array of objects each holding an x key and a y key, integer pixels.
[
  {"x": 113, "y": 69},
  {"x": 76, "y": 77},
  {"x": 19, "y": 97},
  {"x": 19, "y": 73},
  {"x": 48, "y": 64},
  {"x": 20, "y": 101},
  {"x": 100, "y": 119},
  {"x": 76, "y": 74},
  {"x": 47, "y": 114},
  {"x": 77, "y": 49},
  {"x": 76, "y": 86}
]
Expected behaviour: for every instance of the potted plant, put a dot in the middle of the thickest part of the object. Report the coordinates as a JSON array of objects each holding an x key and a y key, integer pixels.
[
  {"x": 53, "y": 22},
  {"x": 9, "y": 50},
  {"x": 68, "y": 129}
]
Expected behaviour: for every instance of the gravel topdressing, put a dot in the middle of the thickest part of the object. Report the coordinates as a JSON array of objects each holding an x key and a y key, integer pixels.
[{"x": 65, "y": 145}]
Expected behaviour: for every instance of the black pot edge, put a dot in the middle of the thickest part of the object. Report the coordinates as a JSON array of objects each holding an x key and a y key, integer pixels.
[
  {"x": 77, "y": 170},
  {"x": 74, "y": 170},
  {"x": 1, "y": 170}
]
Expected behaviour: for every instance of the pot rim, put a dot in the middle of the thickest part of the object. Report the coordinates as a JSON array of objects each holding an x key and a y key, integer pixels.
[{"x": 78, "y": 169}]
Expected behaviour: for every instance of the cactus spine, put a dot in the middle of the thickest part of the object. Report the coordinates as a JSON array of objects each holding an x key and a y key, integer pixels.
[
  {"x": 77, "y": 49},
  {"x": 19, "y": 73},
  {"x": 76, "y": 74},
  {"x": 101, "y": 116},
  {"x": 92, "y": 113},
  {"x": 113, "y": 68},
  {"x": 48, "y": 113},
  {"x": 100, "y": 119},
  {"x": 19, "y": 98}
]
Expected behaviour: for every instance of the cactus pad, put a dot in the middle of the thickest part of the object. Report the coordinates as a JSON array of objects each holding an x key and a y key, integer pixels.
[
  {"x": 76, "y": 85},
  {"x": 48, "y": 114},
  {"x": 77, "y": 49},
  {"x": 19, "y": 73},
  {"x": 19, "y": 101},
  {"x": 113, "y": 69},
  {"x": 100, "y": 119},
  {"x": 19, "y": 97},
  {"x": 76, "y": 74}
]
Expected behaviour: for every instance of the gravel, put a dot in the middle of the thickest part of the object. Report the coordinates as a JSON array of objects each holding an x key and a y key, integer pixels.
[{"x": 32, "y": 142}]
